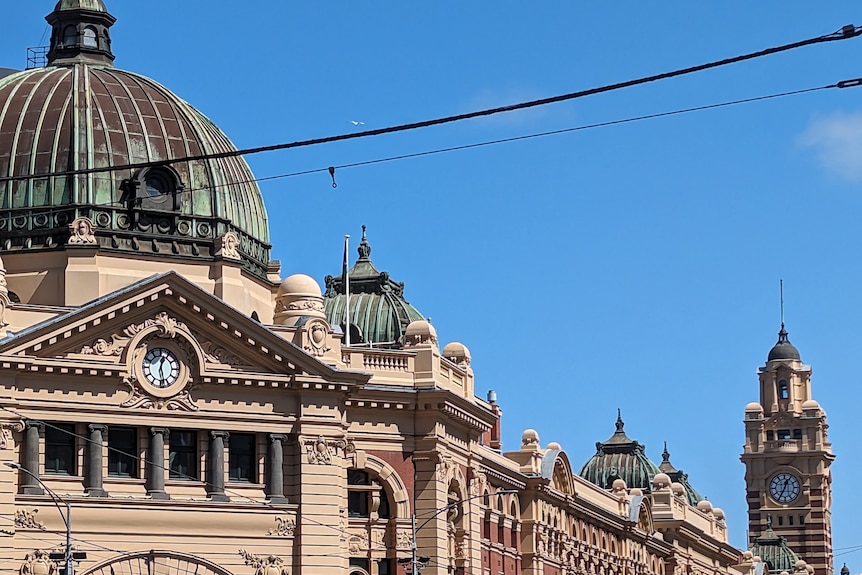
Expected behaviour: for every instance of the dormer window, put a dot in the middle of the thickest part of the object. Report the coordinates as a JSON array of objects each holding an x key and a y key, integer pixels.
[
  {"x": 157, "y": 189},
  {"x": 90, "y": 40}
]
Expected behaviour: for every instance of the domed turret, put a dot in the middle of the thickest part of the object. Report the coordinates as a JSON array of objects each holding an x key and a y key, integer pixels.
[
  {"x": 679, "y": 477},
  {"x": 379, "y": 314},
  {"x": 130, "y": 136},
  {"x": 620, "y": 458},
  {"x": 774, "y": 551}
]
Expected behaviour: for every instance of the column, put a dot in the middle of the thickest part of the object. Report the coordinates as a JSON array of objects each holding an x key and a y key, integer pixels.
[
  {"x": 215, "y": 466},
  {"x": 275, "y": 466},
  {"x": 29, "y": 484},
  {"x": 95, "y": 468},
  {"x": 156, "y": 463}
]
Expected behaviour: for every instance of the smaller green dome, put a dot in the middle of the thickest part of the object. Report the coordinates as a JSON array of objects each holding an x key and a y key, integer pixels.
[
  {"x": 379, "y": 314},
  {"x": 678, "y": 476},
  {"x": 93, "y": 5},
  {"x": 620, "y": 458},
  {"x": 773, "y": 550}
]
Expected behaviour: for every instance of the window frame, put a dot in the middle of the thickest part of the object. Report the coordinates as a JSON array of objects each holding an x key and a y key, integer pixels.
[
  {"x": 61, "y": 436},
  {"x": 116, "y": 454},
  {"x": 233, "y": 454},
  {"x": 191, "y": 450}
]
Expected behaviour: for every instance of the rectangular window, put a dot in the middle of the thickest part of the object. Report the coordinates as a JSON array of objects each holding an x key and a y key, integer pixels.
[
  {"x": 184, "y": 455},
  {"x": 780, "y": 520},
  {"x": 60, "y": 453},
  {"x": 122, "y": 452},
  {"x": 790, "y": 519},
  {"x": 783, "y": 434},
  {"x": 242, "y": 457},
  {"x": 384, "y": 567},
  {"x": 797, "y": 434},
  {"x": 770, "y": 435},
  {"x": 802, "y": 520}
]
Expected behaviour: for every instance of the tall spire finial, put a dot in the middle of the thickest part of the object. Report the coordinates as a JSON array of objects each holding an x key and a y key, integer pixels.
[
  {"x": 665, "y": 455},
  {"x": 620, "y": 424},
  {"x": 781, "y": 297},
  {"x": 364, "y": 248}
]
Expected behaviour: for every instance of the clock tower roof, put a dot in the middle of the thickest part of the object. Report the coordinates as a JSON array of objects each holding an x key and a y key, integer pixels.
[{"x": 783, "y": 349}]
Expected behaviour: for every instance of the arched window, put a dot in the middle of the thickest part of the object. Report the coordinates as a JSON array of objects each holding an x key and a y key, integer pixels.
[
  {"x": 90, "y": 40},
  {"x": 365, "y": 496},
  {"x": 783, "y": 390},
  {"x": 156, "y": 189},
  {"x": 70, "y": 36}
]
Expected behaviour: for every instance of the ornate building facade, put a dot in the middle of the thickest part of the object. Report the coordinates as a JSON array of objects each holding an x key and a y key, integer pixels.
[{"x": 176, "y": 407}]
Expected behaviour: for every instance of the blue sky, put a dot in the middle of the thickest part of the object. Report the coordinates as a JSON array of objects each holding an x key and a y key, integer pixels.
[{"x": 633, "y": 266}]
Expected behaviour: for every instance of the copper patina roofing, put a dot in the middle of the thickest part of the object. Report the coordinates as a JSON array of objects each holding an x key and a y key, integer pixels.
[
  {"x": 378, "y": 310},
  {"x": 620, "y": 457}
]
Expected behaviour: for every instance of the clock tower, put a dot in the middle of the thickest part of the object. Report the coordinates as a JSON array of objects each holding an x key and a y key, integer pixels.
[{"x": 787, "y": 457}]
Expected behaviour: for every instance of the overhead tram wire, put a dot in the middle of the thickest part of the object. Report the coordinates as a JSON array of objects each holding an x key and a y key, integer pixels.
[
  {"x": 846, "y": 32},
  {"x": 842, "y": 84}
]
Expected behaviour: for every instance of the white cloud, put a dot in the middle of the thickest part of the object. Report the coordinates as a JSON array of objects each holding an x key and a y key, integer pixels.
[{"x": 837, "y": 141}]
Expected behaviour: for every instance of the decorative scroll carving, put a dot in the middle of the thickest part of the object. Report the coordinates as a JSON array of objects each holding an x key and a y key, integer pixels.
[
  {"x": 403, "y": 539},
  {"x": 228, "y": 246},
  {"x": 355, "y": 545},
  {"x": 182, "y": 401},
  {"x": 167, "y": 328},
  {"x": 217, "y": 354},
  {"x": 284, "y": 527},
  {"x": 6, "y": 431},
  {"x": 478, "y": 480},
  {"x": 27, "y": 520},
  {"x": 269, "y": 565},
  {"x": 5, "y": 300},
  {"x": 38, "y": 563},
  {"x": 82, "y": 231},
  {"x": 320, "y": 451},
  {"x": 303, "y": 305}
]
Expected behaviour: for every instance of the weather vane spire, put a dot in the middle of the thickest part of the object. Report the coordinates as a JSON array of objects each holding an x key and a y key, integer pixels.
[{"x": 781, "y": 300}]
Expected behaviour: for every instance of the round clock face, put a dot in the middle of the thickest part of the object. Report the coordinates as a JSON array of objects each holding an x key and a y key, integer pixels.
[
  {"x": 784, "y": 487},
  {"x": 161, "y": 367}
]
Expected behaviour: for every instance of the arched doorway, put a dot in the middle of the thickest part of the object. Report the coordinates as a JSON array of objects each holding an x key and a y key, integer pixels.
[{"x": 161, "y": 562}]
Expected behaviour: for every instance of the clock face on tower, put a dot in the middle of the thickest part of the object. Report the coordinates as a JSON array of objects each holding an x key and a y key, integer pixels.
[
  {"x": 161, "y": 367},
  {"x": 784, "y": 487}
]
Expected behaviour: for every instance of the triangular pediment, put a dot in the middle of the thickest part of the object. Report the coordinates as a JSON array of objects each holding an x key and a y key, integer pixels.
[{"x": 224, "y": 344}]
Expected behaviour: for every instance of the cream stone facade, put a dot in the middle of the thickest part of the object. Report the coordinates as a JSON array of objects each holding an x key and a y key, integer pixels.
[{"x": 198, "y": 414}]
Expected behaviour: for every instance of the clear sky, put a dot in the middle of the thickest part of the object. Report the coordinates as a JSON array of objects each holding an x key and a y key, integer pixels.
[{"x": 631, "y": 267}]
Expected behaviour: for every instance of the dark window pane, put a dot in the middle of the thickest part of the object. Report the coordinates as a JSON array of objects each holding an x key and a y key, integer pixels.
[
  {"x": 241, "y": 454},
  {"x": 384, "y": 567},
  {"x": 123, "y": 451},
  {"x": 383, "y": 511},
  {"x": 60, "y": 448},
  {"x": 797, "y": 434},
  {"x": 184, "y": 455},
  {"x": 357, "y": 503},
  {"x": 357, "y": 477},
  {"x": 770, "y": 435},
  {"x": 783, "y": 434}
]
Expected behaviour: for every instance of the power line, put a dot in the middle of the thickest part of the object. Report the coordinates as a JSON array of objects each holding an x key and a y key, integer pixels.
[{"x": 846, "y": 32}]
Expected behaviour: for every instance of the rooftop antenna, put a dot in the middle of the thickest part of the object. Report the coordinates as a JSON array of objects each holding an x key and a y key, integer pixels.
[{"x": 781, "y": 296}]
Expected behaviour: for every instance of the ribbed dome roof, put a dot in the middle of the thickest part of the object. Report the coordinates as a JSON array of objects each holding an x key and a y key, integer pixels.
[
  {"x": 783, "y": 349},
  {"x": 620, "y": 458},
  {"x": 81, "y": 113},
  {"x": 379, "y": 314},
  {"x": 773, "y": 550}
]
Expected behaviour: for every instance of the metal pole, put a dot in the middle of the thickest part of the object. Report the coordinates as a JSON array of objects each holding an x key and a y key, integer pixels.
[
  {"x": 415, "y": 558},
  {"x": 67, "y": 517}
]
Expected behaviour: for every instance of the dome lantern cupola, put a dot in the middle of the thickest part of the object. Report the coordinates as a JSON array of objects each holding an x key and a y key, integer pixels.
[
  {"x": 783, "y": 349},
  {"x": 80, "y": 33}
]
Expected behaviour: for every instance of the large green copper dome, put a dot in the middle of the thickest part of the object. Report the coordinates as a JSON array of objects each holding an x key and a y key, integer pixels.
[
  {"x": 80, "y": 113},
  {"x": 379, "y": 314},
  {"x": 620, "y": 458}
]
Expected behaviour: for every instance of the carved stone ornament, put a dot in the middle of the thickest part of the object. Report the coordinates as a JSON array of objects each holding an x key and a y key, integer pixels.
[
  {"x": 215, "y": 353},
  {"x": 318, "y": 334},
  {"x": 82, "y": 231},
  {"x": 320, "y": 451},
  {"x": 403, "y": 539},
  {"x": 478, "y": 480},
  {"x": 284, "y": 527},
  {"x": 140, "y": 398},
  {"x": 227, "y": 246},
  {"x": 27, "y": 520},
  {"x": 269, "y": 565},
  {"x": 355, "y": 545},
  {"x": 305, "y": 305},
  {"x": 5, "y": 301},
  {"x": 166, "y": 328},
  {"x": 38, "y": 563},
  {"x": 6, "y": 431}
]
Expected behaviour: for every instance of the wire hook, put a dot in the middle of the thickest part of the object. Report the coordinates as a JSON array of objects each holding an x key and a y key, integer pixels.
[{"x": 332, "y": 173}]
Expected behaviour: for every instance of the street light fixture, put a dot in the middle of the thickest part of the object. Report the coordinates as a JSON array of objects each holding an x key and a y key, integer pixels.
[
  {"x": 419, "y": 562},
  {"x": 69, "y": 556}
]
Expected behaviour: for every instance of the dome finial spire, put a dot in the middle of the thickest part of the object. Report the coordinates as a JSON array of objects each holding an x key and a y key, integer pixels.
[
  {"x": 620, "y": 423},
  {"x": 665, "y": 455},
  {"x": 364, "y": 248}
]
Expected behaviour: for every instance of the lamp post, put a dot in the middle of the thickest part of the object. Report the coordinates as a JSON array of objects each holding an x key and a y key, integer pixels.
[
  {"x": 417, "y": 563},
  {"x": 70, "y": 557}
]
